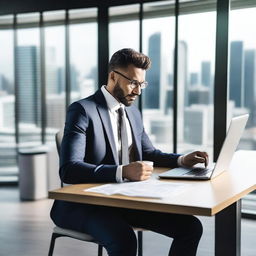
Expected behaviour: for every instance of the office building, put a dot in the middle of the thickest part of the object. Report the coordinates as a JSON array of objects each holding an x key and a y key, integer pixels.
[
  {"x": 206, "y": 74},
  {"x": 250, "y": 84},
  {"x": 236, "y": 78},
  {"x": 193, "y": 79},
  {"x": 152, "y": 95},
  {"x": 28, "y": 79},
  {"x": 198, "y": 95}
]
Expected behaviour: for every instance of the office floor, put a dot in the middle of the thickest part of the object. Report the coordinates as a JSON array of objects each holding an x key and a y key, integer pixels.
[{"x": 25, "y": 230}]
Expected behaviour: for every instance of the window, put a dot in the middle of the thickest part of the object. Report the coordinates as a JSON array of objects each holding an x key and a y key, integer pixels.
[
  {"x": 29, "y": 86},
  {"x": 196, "y": 60},
  {"x": 123, "y": 28},
  {"x": 7, "y": 106},
  {"x": 55, "y": 79},
  {"x": 157, "y": 98},
  {"x": 83, "y": 53},
  {"x": 242, "y": 81}
]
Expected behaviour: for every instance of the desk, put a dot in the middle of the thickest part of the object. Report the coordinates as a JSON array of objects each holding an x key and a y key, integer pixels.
[{"x": 220, "y": 197}]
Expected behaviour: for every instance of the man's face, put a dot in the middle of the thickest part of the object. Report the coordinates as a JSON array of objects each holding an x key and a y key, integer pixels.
[{"x": 123, "y": 90}]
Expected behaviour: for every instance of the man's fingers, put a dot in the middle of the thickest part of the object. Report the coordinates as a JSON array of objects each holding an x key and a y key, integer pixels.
[{"x": 202, "y": 157}]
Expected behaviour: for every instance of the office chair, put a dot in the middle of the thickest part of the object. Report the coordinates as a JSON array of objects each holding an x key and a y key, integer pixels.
[{"x": 62, "y": 232}]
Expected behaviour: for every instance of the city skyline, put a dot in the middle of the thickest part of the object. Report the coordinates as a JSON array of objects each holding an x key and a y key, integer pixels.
[{"x": 195, "y": 80}]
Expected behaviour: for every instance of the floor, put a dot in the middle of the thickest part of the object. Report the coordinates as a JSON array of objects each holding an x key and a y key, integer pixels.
[{"x": 25, "y": 230}]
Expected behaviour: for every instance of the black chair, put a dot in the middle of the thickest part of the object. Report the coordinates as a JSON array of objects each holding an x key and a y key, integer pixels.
[{"x": 61, "y": 232}]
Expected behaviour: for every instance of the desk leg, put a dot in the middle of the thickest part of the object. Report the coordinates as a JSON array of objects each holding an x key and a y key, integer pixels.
[{"x": 228, "y": 231}]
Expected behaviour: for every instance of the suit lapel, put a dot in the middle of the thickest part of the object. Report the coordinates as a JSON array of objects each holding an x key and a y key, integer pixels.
[
  {"x": 132, "y": 121},
  {"x": 104, "y": 115}
]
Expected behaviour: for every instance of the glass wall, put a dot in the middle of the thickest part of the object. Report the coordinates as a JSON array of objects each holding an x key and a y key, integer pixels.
[
  {"x": 7, "y": 101},
  {"x": 242, "y": 72},
  {"x": 242, "y": 80},
  {"x": 196, "y": 60},
  {"x": 27, "y": 59},
  {"x": 157, "y": 99},
  {"x": 123, "y": 28},
  {"x": 55, "y": 79},
  {"x": 83, "y": 53}
]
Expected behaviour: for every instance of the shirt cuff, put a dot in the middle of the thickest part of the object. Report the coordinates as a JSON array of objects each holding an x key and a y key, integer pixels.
[
  {"x": 119, "y": 174},
  {"x": 180, "y": 161}
]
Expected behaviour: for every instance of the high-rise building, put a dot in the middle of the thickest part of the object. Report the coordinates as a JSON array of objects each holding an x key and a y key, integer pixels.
[
  {"x": 199, "y": 95},
  {"x": 206, "y": 73},
  {"x": 250, "y": 84},
  {"x": 28, "y": 79},
  {"x": 198, "y": 125},
  {"x": 182, "y": 85},
  {"x": 236, "y": 77},
  {"x": 193, "y": 79},
  {"x": 152, "y": 93}
]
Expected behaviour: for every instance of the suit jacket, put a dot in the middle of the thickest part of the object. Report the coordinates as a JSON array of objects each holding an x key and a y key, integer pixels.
[{"x": 88, "y": 142}]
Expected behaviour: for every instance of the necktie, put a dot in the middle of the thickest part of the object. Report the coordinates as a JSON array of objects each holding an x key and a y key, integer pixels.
[{"x": 122, "y": 138}]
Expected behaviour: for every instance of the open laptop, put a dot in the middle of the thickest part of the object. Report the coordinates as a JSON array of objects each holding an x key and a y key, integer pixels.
[{"x": 229, "y": 146}]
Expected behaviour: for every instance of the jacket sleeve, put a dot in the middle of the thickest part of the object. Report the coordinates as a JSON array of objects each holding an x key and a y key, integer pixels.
[{"x": 73, "y": 168}]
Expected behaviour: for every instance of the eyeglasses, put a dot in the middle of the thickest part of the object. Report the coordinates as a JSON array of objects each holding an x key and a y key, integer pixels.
[{"x": 133, "y": 83}]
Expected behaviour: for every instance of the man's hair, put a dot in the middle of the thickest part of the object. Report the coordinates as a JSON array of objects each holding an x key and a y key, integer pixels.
[{"x": 125, "y": 57}]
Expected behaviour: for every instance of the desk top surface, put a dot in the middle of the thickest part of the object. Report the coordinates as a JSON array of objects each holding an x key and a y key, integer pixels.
[{"x": 200, "y": 198}]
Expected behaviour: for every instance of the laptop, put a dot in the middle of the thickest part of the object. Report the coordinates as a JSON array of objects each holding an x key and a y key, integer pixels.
[{"x": 228, "y": 148}]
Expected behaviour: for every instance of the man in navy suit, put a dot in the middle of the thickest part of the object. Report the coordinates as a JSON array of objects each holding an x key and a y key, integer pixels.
[{"x": 90, "y": 152}]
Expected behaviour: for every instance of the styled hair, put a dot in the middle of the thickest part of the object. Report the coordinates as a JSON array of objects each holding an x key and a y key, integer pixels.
[{"x": 125, "y": 57}]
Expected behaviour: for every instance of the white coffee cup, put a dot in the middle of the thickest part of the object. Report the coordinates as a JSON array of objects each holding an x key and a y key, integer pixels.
[{"x": 149, "y": 163}]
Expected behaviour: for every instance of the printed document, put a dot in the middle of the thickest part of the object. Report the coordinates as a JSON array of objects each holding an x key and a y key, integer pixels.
[{"x": 151, "y": 188}]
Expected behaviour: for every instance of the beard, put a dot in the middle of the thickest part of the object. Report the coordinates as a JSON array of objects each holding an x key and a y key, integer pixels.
[{"x": 119, "y": 94}]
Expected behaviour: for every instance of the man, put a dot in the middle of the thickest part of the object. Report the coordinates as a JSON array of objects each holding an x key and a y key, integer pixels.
[{"x": 104, "y": 141}]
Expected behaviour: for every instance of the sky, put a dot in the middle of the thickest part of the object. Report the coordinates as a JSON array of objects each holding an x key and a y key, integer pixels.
[{"x": 198, "y": 30}]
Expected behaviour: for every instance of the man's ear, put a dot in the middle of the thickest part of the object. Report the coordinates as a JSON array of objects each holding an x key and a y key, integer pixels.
[{"x": 112, "y": 76}]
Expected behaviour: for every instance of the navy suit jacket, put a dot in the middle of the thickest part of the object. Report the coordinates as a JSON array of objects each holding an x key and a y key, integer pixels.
[{"x": 88, "y": 142}]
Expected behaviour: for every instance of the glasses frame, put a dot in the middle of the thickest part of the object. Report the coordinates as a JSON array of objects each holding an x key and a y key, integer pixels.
[{"x": 133, "y": 83}]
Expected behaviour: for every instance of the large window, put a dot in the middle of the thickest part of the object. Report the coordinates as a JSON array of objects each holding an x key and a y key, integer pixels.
[
  {"x": 196, "y": 60},
  {"x": 83, "y": 53},
  {"x": 157, "y": 99},
  {"x": 242, "y": 80},
  {"x": 7, "y": 105},
  {"x": 27, "y": 57},
  {"x": 242, "y": 71},
  {"x": 123, "y": 28},
  {"x": 55, "y": 79}
]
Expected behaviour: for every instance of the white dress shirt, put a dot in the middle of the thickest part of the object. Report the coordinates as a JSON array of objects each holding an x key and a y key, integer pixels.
[{"x": 113, "y": 106}]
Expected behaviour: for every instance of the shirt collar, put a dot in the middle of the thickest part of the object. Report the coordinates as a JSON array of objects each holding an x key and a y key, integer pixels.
[{"x": 112, "y": 103}]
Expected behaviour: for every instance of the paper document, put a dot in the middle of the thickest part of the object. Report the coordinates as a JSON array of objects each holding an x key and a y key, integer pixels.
[{"x": 150, "y": 188}]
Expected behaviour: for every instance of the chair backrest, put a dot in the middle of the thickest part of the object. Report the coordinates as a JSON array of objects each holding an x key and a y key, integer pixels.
[{"x": 58, "y": 139}]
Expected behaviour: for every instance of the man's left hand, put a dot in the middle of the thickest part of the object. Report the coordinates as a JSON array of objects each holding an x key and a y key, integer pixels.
[{"x": 194, "y": 158}]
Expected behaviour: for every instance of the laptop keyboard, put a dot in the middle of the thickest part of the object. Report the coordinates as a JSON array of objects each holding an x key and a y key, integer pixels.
[{"x": 198, "y": 171}]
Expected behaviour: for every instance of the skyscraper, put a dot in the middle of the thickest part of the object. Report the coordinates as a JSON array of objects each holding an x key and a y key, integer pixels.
[
  {"x": 152, "y": 93},
  {"x": 236, "y": 77},
  {"x": 28, "y": 79},
  {"x": 250, "y": 84},
  {"x": 193, "y": 79},
  {"x": 206, "y": 73}
]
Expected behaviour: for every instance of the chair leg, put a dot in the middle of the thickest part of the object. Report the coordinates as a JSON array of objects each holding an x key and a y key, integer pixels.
[
  {"x": 100, "y": 247},
  {"x": 140, "y": 243},
  {"x": 54, "y": 236}
]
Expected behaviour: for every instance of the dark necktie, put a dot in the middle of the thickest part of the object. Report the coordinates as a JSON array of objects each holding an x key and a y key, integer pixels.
[{"x": 122, "y": 138}]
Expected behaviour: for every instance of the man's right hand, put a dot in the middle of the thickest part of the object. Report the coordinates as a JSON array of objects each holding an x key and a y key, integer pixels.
[{"x": 137, "y": 171}]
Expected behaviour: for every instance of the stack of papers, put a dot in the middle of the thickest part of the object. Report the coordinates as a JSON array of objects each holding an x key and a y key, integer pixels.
[{"x": 151, "y": 188}]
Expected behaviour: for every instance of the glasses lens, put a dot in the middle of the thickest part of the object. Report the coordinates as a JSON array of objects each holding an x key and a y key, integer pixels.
[
  {"x": 135, "y": 84},
  {"x": 144, "y": 85}
]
